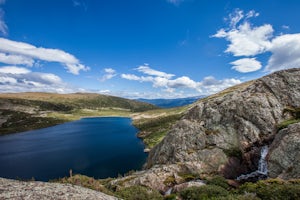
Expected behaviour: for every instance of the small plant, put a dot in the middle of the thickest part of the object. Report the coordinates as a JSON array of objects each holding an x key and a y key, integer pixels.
[
  {"x": 170, "y": 197},
  {"x": 170, "y": 181},
  {"x": 188, "y": 176},
  {"x": 233, "y": 152}
]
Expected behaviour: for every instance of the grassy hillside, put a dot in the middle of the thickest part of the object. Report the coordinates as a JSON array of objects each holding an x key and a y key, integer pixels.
[
  {"x": 27, "y": 111},
  {"x": 155, "y": 124}
]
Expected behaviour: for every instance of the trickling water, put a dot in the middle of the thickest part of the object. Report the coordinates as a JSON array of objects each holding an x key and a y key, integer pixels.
[
  {"x": 169, "y": 191},
  {"x": 262, "y": 166}
]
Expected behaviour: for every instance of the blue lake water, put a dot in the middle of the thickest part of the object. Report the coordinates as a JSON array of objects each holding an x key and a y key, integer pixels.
[{"x": 97, "y": 147}]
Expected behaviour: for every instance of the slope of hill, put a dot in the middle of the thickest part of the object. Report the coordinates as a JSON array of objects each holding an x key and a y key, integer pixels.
[{"x": 26, "y": 111}]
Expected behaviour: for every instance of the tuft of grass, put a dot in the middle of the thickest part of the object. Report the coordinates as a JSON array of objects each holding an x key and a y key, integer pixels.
[
  {"x": 286, "y": 123},
  {"x": 87, "y": 182},
  {"x": 188, "y": 176}
]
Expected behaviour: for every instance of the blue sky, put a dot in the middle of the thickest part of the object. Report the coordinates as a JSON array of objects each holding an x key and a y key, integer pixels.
[{"x": 144, "y": 48}]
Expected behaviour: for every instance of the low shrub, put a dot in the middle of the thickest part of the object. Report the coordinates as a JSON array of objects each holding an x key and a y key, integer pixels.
[
  {"x": 203, "y": 192},
  {"x": 219, "y": 181},
  {"x": 272, "y": 190}
]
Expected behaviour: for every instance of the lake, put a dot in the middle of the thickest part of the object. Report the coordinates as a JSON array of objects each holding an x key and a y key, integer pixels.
[{"x": 99, "y": 147}]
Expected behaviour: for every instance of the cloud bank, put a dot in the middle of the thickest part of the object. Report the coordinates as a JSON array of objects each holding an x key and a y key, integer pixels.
[{"x": 170, "y": 84}]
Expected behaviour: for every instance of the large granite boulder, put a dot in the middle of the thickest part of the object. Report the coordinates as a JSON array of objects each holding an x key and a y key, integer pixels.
[{"x": 224, "y": 133}]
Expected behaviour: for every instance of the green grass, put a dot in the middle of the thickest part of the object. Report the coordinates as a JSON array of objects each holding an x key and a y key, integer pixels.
[
  {"x": 153, "y": 130},
  {"x": 20, "y": 121}
]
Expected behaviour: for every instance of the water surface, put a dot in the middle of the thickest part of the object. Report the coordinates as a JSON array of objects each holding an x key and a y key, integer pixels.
[{"x": 97, "y": 147}]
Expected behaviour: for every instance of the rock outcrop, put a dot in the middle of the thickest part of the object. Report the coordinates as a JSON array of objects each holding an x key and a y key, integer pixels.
[
  {"x": 224, "y": 133},
  {"x": 12, "y": 189}
]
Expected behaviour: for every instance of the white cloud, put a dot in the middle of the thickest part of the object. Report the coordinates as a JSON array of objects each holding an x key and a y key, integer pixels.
[
  {"x": 18, "y": 79},
  {"x": 245, "y": 40},
  {"x": 110, "y": 70},
  {"x": 147, "y": 70},
  {"x": 13, "y": 70},
  {"x": 28, "y": 53},
  {"x": 182, "y": 82},
  {"x": 245, "y": 65},
  {"x": 168, "y": 84},
  {"x": 110, "y": 73},
  {"x": 285, "y": 52}
]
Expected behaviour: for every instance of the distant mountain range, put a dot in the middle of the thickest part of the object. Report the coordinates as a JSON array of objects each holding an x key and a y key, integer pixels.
[{"x": 170, "y": 103}]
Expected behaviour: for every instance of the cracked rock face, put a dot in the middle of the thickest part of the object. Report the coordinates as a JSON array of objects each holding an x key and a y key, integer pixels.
[
  {"x": 284, "y": 156},
  {"x": 236, "y": 121},
  {"x": 12, "y": 189}
]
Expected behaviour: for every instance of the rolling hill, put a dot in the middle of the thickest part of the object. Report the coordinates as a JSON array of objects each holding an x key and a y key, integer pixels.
[{"x": 26, "y": 111}]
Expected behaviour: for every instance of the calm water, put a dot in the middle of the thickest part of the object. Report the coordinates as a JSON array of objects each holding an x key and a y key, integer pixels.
[{"x": 97, "y": 147}]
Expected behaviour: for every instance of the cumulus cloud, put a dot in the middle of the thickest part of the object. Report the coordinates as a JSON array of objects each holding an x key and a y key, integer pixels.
[
  {"x": 170, "y": 84},
  {"x": 245, "y": 65},
  {"x": 285, "y": 52},
  {"x": 18, "y": 79},
  {"x": 26, "y": 54},
  {"x": 109, "y": 74},
  {"x": 247, "y": 40}
]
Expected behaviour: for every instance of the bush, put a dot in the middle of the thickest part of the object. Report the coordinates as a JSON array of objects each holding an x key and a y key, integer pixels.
[
  {"x": 219, "y": 181},
  {"x": 272, "y": 190},
  {"x": 203, "y": 192},
  {"x": 138, "y": 193},
  {"x": 170, "y": 197}
]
